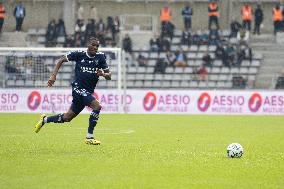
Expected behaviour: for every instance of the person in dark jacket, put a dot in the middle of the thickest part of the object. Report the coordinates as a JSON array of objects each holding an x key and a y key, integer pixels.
[{"x": 258, "y": 18}]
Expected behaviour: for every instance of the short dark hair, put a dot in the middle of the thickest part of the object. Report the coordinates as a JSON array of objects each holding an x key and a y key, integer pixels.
[{"x": 93, "y": 39}]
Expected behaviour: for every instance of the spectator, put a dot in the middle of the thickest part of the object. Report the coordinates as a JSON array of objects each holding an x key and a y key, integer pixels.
[
  {"x": 247, "y": 16},
  {"x": 231, "y": 52},
  {"x": 221, "y": 53},
  {"x": 167, "y": 30},
  {"x": 243, "y": 52},
  {"x": 180, "y": 59},
  {"x": 155, "y": 44},
  {"x": 127, "y": 44},
  {"x": 60, "y": 28},
  {"x": 165, "y": 15},
  {"x": 80, "y": 12},
  {"x": 90, "y": 29},
  {"x": 19, "y": 14},
  {"x": 213, "y": 14},
  {"x": 187, "y": 13},
  {"x": 94, "y": 14},
  {"x": 186, "y": 38},
  {"x": 142, "y": 60},
  {"x": 195, "y": 39},
  {"x": 160, "y": 66},
  {"x": 100, "y": 31},
  {"x": 243, "y": 36},
  {"x": 51, "y": 34},
  {"x": 80, "y": 29},
  {"x": 214, "y": 37},
  {"x": 2, "y": 16},
  {"x": 116, "y": 23},
  {"x": 235, "y": 28},
  {"x": 277, "y": 19},
  {"x": 171, "y": 58},
  {"x": 202, "y": 73},
  {"x": 207, "y": 60},
  {"x": 69, "y": 42},
  {"x": 258, "y": 18},
  {"x": 165, "y": 44}
]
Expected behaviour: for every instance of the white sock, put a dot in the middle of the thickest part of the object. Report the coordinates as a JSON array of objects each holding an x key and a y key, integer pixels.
[
  {"x": 90, "y": 135},
  {"x": 45, "y": 119}
]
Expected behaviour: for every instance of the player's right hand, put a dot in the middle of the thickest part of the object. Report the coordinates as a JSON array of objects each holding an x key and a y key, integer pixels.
[{"x": 51, "y": 80}]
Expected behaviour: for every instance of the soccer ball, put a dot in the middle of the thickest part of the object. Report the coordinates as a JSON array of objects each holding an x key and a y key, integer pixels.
[{"x": 235, "y": 150}]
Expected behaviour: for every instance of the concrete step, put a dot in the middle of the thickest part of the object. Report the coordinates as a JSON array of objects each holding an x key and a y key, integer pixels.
[{"x": 14, "y": 39}]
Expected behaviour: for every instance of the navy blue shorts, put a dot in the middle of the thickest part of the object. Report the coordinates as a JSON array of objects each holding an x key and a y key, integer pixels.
[{"x": 81, "y": 98}]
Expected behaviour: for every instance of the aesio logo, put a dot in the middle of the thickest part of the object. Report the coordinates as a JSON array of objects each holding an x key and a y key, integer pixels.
[
  {"x": 255, "y": 102},
  {"x": 34, "y": 100},
  {"x": 204, "y": 102},
  {"x": 149, "y": 101}
]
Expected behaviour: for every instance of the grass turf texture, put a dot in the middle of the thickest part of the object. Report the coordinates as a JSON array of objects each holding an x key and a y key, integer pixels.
[{"x": 142, "y": 151}]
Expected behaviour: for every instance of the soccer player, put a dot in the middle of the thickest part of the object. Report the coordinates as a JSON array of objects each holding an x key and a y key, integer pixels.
[{"x": 90, "y": 65}]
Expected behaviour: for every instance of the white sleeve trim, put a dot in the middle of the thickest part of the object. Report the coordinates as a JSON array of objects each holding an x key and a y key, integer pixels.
[
  {"x": 66, "y": 57},
  {"x": 106, "y": 68}
]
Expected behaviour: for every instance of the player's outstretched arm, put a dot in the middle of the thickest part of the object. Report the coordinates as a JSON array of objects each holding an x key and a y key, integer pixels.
[{"x": 52, "y": 78}]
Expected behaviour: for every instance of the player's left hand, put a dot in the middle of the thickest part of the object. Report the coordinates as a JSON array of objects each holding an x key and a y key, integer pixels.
[{"x": 100, "y": 72}]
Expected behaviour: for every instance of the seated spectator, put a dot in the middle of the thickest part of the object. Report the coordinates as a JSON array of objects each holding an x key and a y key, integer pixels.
[
  {"x": 155, "y": 44},
  {"x": 69, "y": 42},
  {"x": 165, "y": 44},
  {"x": 171, "y": 58},
  {"x": 51, "y": 34},
  {"x": 214, "y": 37},
  {"x": 186, "y": 38},
  {"x": 180, "y": 59},
  {"x": 204, "y": 39},
  {"x": 160, "y": 66},
  {"x": 231, "y": 51},
  {"x": 235, "y": 28},
  {"x": 221, "y": 53},
  {"x": 142, "y": 60},
  {"x": 243, "y": 36},
  {"x": 202, "y": 73},
  {"x": 243, "y": 52},
  {"x": 195, "y": 39},
  {"x": 127, "y": 44},
  {"x": 60, "y": 27},
  {"x": 207, "y": 60},
  {"x": 239, "y": 82}
]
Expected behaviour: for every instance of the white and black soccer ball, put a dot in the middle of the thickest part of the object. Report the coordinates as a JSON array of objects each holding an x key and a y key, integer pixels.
[{"x": 235, "y": 150}]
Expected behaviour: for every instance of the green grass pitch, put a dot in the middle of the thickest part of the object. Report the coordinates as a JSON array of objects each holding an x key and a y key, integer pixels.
[{"x": 142, "y": 151}]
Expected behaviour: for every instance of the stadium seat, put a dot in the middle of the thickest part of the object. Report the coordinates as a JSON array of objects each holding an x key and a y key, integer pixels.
[
  {"x": 175, "y": 84},
  {"x": 153, "y": 55},
  {"x": 149, "y": 77},
  {"x": 252, "y": 70},
  {"x": 32, "y": 31},
  {"x": 159, "y": 76},
  {"x": 221, "y": 84},
  {"x": 132, "y": 69},
  {"x": 41, "y": 31},
  {"x": 191, "y": 55},
  {"x": 185, "y": 48},
  {"x": 212, "y": 48},
  {"x": 138, "y": 84},
  {"x": 41, "y": 39},
  {"x": 245, "y": 63},
  {"x": 202, "y": 84},
  {"x": 255, "y": 63},
  {"x": 148, "y": 84},
  {"x": 223, "y": 77},
  {"x": 211, "y": 84},
  {"x": 225, "y": 70},
  {"x": 130, "y": 77},
  {"x": 203, "y": 48},
  {"x": 178, "y": 70},
  {"x": 156, "y": 84},
  {"x": 213, "y": 77},
  {"x": 184, "y": 84},
  {"x": 193, "y": 48},
  {"x": 169, "y": 70},
  {"x": 228, "y": 84},
  {"x": 243, "y": 70},
  {"x": 10, "y": 83},
  {"x": 215, "y": 70},
  {"x": 188, "y": 70},
  {"x": 193, "y": 84},
  {"x": 130, "y": 84},
  {"x": 151, "y": 63},
  {"x": 217, "y": 63},
  {"x": 141, "y": 69},
  {"x": 177, "y": 77},
  {"x": 166, "y": 84},
  {"x": 140, "y": 76},
  {"x": 235, "y": 70}
]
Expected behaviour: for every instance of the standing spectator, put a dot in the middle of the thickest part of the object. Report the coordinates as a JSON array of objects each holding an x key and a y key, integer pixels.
[
  {"x": 258, "y": 18},
  {"x": 60, "y": 28},
  {"x": 213, "y": 14},
  {"x": 247, "y": 16},
  {"x": 80, "y": 29},
  {"x": 171, "y": 58},
  {"x": 277, "y": 18},
  {"x": 69, "y": 42},
  {"x": 90, "y": 29},
  {"x": 2, "y": 16},
  {"x": 235, "y": 28},
  {"x": 19, "y": 14},
  {"x": 51, "y": 34},
  {"x": 127, "y": 44},
  {"x": 100, "y": 31},
  {"x": 80, "y": 12},
  {"x": 94, "y": 14},
  {"x": 142, "y": 60},
  {"x": 116, "y": 23},
  {"x": 187, "y": 13},
  {"x": 165, "y": 15},
  {"x": 155, "y": 44}
]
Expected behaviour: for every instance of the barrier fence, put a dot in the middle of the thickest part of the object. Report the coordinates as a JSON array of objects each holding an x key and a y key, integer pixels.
[{"x": 148, "y": 101}]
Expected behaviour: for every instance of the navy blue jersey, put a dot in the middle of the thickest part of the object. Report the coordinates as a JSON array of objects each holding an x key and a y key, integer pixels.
[{"x": 86, "y": 67}]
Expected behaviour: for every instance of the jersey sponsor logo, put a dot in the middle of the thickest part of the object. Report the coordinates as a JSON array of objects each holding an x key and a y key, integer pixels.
[
  {"x": 255, "y": 102},
  {"x": 34, "y": 100},
  {"x": 204, "y": 102},
  {"x": 149, "y": 101},
  {"x": 88, "y": 70}
]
